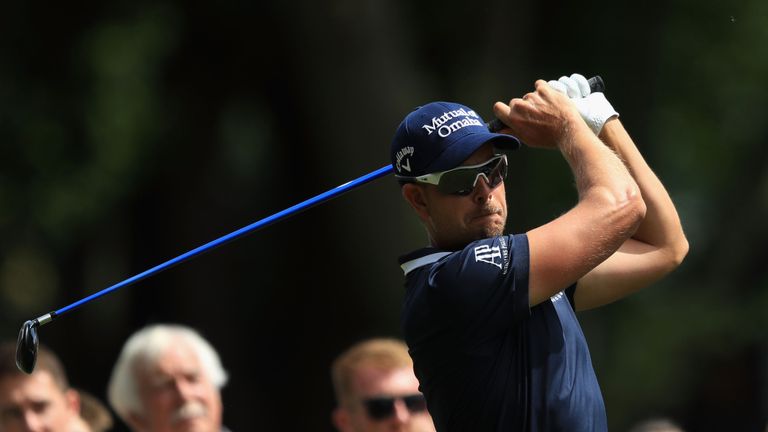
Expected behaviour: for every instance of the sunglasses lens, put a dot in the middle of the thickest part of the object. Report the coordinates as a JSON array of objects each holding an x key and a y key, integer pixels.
[
  {"x": 380, "y": 408},
  {"x": 458, "y": 182},
  {"x": 462, "y": 181},
  {"x": 498, "y": 173},
  {"x": 415, "y": 403}
]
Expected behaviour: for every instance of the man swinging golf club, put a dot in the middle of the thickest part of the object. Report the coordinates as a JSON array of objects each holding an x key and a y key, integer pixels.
[{"x": 489, "y": 318}]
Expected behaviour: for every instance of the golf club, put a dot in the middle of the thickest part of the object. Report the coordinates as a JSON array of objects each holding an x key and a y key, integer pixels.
[{"x": 28, "y": 341}]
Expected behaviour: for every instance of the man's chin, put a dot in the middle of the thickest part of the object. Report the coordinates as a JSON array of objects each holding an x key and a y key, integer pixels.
[
  {"x": 492, "y": 230},
  {"x": 488, "y": 226},
  {"x": 480, "y": 235}
]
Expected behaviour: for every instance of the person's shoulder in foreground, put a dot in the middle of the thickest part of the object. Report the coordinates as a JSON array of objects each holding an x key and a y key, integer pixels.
[
  {"x": 94, "y": 413},
  {"x": 376, "y": 389},
  {"x": 490, "y": 318},
  {"x": 167, "y": 378}
]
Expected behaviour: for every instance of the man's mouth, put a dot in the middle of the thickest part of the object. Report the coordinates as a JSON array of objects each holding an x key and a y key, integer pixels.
[{"x": 487, "y": 213}]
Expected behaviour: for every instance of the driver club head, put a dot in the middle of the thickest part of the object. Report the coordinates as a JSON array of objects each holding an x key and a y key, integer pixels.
[{"x": 26, "y": 346}]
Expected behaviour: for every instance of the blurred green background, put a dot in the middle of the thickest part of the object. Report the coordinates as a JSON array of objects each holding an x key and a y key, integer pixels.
[{"x": 131, "y": 132}]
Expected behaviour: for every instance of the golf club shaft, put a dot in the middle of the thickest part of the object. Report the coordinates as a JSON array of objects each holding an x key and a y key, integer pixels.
[{"x": 323, "y": 197}]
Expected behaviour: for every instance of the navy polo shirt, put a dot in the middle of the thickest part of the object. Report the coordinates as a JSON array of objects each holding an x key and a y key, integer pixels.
[{"x": 484, "y": 359}]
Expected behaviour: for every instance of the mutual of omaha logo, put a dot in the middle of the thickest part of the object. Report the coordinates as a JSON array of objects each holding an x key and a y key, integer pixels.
[
  {"x": 451, "y": 121},
  {"x": 488, "y": 254}
]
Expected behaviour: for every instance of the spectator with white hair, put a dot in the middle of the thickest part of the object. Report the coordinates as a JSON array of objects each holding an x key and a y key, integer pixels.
[{"x": 168, "y": 378}]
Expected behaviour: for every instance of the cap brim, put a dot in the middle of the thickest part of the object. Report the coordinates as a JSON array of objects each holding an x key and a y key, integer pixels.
[{"x": 463, "y": 148}]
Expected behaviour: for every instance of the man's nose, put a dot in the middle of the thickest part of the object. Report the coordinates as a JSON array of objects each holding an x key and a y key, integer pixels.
[
  {"x": 402, "y": 415},
  {"x": 33, "y": 422},
  {"x": 482, "y": 191},
  {"x": 185, "y": 389}
]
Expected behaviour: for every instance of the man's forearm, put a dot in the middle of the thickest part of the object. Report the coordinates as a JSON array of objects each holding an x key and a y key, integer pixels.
[
  {"x": 661, "y": 226},
  {"x": 596, "y": 167}
]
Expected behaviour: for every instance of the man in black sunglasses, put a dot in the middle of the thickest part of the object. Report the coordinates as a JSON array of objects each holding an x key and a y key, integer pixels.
[
  {"x": 490, "y": 318},
  {"x": 376, "y": 389}
]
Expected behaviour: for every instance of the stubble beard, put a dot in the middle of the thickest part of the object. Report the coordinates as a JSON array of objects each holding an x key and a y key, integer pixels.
[
  {"x": 451, "y": 239},
  {"x": 491, "y": 231},
  {"x": 493, "y": 228}
]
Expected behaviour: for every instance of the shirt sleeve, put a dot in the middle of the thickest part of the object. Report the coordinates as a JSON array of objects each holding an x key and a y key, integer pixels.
[{"x": 486, "y": 283}]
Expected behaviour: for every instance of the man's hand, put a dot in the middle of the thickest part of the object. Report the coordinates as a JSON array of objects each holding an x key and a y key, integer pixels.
[
  {"x": 543, "y": 118},
  {"x": 593, "y": 107}
]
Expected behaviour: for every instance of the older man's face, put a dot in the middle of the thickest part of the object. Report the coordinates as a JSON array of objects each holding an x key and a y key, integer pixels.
[{"x": 177, "y": 394}]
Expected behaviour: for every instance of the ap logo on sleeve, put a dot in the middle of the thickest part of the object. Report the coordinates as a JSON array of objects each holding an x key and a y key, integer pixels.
[{"x": 488, "y": 254}]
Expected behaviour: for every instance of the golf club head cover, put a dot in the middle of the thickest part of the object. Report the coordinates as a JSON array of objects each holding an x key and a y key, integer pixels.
[{"x": 593, "y": 107}]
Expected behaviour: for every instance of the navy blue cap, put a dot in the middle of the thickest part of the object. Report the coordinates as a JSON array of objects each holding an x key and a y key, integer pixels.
[{"x": 440, "y": 136}]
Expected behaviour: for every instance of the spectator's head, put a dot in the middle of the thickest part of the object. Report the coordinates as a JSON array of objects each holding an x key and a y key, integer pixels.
[
  {"x": 376, "y": 389},
  {"x": 168, "y": 379},
  {"x": 40, "y": 401},
  {"x": 656, "y": 425}
]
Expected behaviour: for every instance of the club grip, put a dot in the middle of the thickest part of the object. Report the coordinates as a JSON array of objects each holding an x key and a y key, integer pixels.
[{"x": 596, "y": 84}]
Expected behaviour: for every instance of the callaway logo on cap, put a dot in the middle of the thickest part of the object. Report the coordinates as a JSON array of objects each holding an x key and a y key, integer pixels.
[{"x": 440, "y": 136}]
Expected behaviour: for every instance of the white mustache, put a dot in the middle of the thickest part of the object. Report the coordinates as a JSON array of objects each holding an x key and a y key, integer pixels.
[{"x": 189, "y": 410}]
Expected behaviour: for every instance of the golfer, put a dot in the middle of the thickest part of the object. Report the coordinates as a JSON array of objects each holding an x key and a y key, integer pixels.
[{"x": 489, "y": 318}]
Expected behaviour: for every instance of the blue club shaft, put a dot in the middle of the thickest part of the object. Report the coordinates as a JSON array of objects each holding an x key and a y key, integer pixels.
[{"x": 325, "y": 196}]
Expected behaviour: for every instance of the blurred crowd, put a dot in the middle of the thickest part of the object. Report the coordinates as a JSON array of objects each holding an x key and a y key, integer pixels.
[{"x": 168, "y": 377}]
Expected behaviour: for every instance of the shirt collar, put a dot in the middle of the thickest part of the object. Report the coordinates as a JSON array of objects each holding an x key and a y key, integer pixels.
[{"x": 420, "y": 258}]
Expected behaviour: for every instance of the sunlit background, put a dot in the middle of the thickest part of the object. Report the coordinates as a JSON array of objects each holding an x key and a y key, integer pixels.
[{"x": 131, "y": 132}]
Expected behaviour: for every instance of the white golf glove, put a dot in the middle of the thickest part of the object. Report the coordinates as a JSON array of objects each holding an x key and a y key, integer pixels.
[{"x": 593, "y": 107}]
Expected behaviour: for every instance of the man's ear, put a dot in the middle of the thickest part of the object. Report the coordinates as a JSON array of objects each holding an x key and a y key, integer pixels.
[
  {"x": 73, "y": 400},
  {"x": 340, "y": 419},
  {"x": 416, "y": 197}
]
